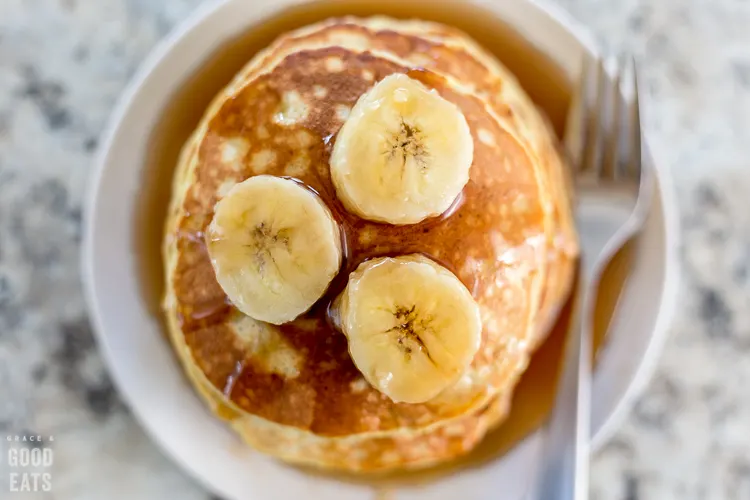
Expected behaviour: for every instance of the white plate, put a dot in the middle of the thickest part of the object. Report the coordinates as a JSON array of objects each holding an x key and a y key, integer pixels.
[{"x": 147, "y": 374}]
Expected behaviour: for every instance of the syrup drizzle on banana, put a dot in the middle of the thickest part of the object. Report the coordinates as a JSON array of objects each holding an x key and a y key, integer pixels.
[
  {"x": 274, "y": 246},
  {"x": 412, "y": 326},
  {"x": 403, "y": 155}
]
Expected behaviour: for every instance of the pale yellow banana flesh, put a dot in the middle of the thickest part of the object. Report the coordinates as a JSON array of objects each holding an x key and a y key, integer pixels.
[
  {"x": 403, "y": 154},
  {"x": 413, "y": 327},
  {"x": 275, "y": 247}
]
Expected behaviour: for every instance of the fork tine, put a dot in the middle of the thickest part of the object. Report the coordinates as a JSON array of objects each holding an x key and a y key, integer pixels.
[
  {"x": 633, "y": 164},
  {"x": 614, "y": 127},
  {"x": 575, "y": 125},
  {"x": 594, "y": 129}
]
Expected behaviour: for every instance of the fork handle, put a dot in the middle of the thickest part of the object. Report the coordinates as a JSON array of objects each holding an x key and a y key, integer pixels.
[{"x": 564, "y": 472}]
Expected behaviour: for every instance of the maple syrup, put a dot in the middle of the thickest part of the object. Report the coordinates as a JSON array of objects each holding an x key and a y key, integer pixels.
[{"x": 540, "y": 77}]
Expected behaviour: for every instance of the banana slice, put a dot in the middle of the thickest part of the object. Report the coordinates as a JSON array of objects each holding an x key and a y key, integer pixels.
[
  {"x": 403, "y": 155},
  {"x": 274, "y": 246},
  {"x": 413, "y": 327}
]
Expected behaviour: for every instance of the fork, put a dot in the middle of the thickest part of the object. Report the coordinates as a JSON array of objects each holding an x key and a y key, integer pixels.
[{"x": 614, "y": 191}]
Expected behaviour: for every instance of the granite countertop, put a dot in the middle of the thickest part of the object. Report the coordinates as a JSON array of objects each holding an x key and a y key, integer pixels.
[{"x": 63, "y": 64}]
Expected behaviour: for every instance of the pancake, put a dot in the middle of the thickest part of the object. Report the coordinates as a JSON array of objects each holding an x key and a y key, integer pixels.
[{"x": 292, "y": 390}]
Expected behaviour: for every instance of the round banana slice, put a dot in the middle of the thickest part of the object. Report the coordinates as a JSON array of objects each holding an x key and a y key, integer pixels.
[
  {"x": 274, "y": 246},
  {"x": 413, "y": 327},
  {"x": 403, "y": 154}
]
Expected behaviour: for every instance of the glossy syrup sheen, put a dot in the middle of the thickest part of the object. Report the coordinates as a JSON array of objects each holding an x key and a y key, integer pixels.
[{"x": 539, "y": 76}]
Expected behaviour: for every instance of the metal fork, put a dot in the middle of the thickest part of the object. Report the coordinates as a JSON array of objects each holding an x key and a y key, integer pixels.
[{"x": 614, "y": 191}]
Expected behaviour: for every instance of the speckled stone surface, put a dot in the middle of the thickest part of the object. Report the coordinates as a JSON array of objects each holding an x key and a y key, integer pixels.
[{"x": 63, "y": 64}]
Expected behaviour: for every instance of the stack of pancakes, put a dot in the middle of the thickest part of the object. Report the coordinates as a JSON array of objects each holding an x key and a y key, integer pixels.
[{"x": 292, "y": 390}]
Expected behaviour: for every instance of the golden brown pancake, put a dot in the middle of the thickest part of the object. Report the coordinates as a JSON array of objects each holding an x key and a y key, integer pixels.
[{"x": 293, "y": 390}]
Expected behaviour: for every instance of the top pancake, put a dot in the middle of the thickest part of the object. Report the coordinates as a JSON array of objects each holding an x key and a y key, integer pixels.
[{"x": 280, "y": 117}]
